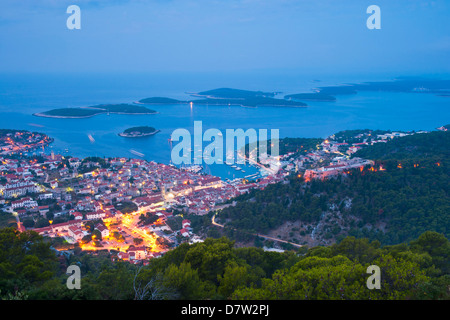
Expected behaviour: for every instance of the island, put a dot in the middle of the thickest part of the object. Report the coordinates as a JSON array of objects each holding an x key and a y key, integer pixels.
[
  {"x": 229, "y": 97},
  {"x": 229, "y": 93},
  {"x": 315, "y": 96},
  {"x": 159, "y": 100},
  {"x": 86, "y": 112},
  {"x": 138, "y": 132},
  {"x": 408, "y": 85}
]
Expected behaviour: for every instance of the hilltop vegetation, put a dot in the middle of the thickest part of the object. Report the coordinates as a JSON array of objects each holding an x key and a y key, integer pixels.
[
  {"x": 216, "y": 269},
  {"x": 426, "y": 146},
  {"x": 408, "y": 196}
]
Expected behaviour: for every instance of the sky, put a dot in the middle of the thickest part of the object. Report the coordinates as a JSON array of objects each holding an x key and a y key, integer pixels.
[{"x": 320, "y": 36}]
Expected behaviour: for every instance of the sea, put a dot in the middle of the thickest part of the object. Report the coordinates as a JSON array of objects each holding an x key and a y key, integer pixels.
[{"x": 21, "y": 95}]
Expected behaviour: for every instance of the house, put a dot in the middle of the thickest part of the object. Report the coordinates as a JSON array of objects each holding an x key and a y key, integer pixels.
[
  {"x": 45, "y": 196},
  {"x": 77, "y": 215},
  {"x": 43, "y": 209},
  {"x": 76, "y": 233},
  {"x": 186, "y": 223},
  {"x": 123, "y": 256},
  {"x": 24, "y": 202},
  {"x": 95, "y": 215},
  {"x": 137, "y": 253},
  {"x": 184, "y": 232},
  {"x": 103, "y": 230}
]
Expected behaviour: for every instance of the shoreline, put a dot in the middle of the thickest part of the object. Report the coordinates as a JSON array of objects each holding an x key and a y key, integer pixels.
[
  {"x": 125, "y": 135},
  {"x": 227, "y": 105},
  {"x": 43, "y": 115}
]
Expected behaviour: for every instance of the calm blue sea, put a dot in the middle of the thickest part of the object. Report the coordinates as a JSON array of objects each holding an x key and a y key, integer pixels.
[{"x": 21, "y": 95}]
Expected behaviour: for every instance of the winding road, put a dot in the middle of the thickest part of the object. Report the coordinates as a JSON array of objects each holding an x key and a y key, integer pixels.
[{"x": 213, "y": 221}]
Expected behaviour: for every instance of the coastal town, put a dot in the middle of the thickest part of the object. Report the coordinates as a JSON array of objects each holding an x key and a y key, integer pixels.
[{"x": 138, "y": 209}]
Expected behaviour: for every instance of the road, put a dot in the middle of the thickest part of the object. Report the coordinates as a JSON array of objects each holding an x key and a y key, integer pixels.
[{"x": 213, "y": 221}]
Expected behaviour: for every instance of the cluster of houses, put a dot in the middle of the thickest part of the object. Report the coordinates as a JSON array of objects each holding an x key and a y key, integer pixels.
[
  {"x": 22, "y": 141},
  {"x": 91, "y": 189}
]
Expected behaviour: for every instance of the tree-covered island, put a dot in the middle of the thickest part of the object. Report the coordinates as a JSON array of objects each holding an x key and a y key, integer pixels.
[
  {"x": 137, "y": 132},
  {"x": 85, "y": 112},
  {"x": 229, "y": 97}
]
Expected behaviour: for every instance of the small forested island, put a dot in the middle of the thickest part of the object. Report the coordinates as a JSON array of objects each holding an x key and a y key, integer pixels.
[
  {"x": 137, "y": 132},
  {"x": 230, "y": 97},
  {"x": 86, "y": 112}
]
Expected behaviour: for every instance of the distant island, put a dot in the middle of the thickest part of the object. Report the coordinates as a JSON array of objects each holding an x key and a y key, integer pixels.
[
  {"x": 160, "y": 100},
  {"x": 315, "y": 96},
  {"x": 409, "y": 85},
  {"x": 86, "y": 112},
  {"x": 137, "y": 132},
  {"x": 229, "y": 97},
  {"x": 228, "y": 93}
]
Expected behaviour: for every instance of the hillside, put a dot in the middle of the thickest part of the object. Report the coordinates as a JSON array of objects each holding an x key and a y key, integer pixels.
[
  {"x": 215, "y": 269},
  {"x": 408, "y": 196}
]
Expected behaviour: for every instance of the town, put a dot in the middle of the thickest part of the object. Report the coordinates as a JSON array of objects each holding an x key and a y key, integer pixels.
[{"x": 137, "y": 209}]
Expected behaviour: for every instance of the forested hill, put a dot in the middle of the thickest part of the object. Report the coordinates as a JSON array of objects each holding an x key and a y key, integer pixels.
[
  {"x": 405, "y": 194},
  {"x": 433, "y": 145},
  {"x": 216, "y": 269}
]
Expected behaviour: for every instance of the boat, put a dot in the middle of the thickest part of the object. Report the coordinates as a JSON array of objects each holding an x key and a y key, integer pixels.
[{"x": 136, "y": 153}]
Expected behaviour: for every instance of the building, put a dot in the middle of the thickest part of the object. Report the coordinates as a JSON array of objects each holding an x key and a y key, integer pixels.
[
  {"x": 137, "y": 253},
  {"x": 103, "y": 230},
  {"x": 24, "y": 203}
]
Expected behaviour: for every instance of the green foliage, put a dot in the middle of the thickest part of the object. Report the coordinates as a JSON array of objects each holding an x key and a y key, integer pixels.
[
  {"x": 7, "y": 220},
  {"x": 126, "y": 206},
  {"x": 418, "y": 146},
  {"x": 215, "y": 269},
  {"x": 26, "y": 260},
  {"x": 408, "y": 199}
]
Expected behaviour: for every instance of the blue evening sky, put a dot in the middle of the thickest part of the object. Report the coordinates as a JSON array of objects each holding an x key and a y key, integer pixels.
[{"x": 325, "y": 36}]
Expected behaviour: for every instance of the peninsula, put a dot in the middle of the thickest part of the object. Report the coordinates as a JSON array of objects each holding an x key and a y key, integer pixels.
[
  {"x": 137, "y": 132},
  {"x": 86, "y": 112}
]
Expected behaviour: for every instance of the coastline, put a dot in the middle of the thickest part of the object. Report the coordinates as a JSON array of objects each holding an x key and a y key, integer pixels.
[
  {"x": 124, "y": 135},
  {"x": 43, "y": 115}
]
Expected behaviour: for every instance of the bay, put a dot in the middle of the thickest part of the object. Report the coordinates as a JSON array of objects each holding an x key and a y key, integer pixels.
[{"x": 21, "y": 95}]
